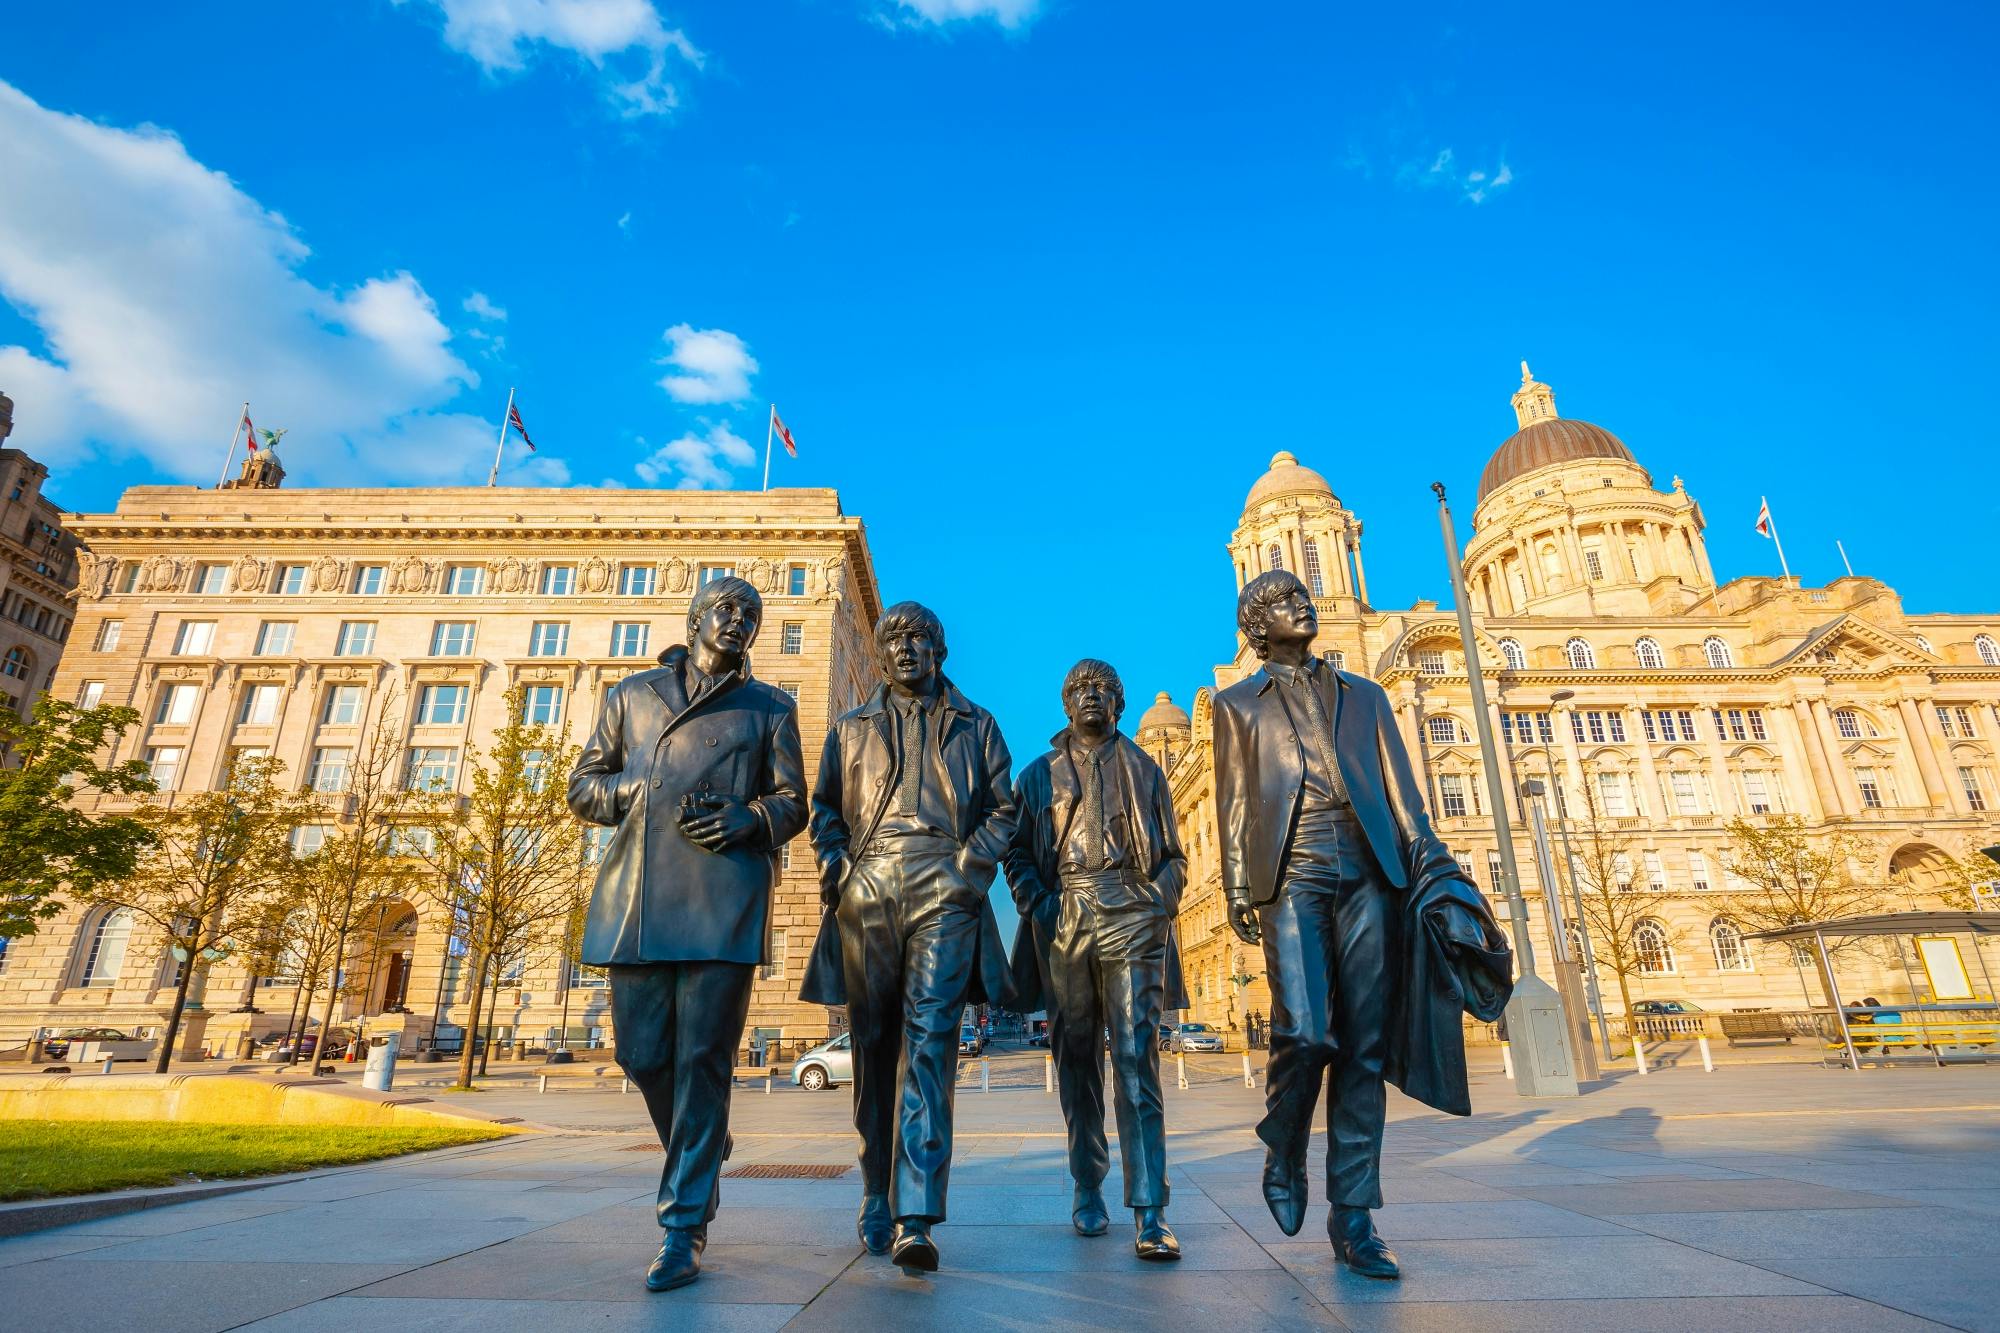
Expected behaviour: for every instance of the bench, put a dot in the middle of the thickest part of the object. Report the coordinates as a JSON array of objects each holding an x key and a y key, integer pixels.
[
  {"x": 1911, "y": 1036},
  {"x": 1757, "y": 1025}
]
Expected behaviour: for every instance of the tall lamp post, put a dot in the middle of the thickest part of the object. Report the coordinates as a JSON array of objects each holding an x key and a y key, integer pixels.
[
  {"x": 1576, "y": 898},
  {"x": 1577, "y": 984},
  {"x": 1536, "y": 1025}
]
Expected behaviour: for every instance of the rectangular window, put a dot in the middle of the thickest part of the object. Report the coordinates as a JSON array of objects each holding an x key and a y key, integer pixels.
[
  {"x": 306, "y": 839},
  {"x": 210, "y": 579},
  {"x": 790, "y": 687},
  {"x": 636, "y": 580},
  {"x": 108, "y": 635},
  {"x": 1576, "y": 726},
  {"x": 1593, "y": 564},
  {"x": 1451, "y": 795},
  {"x": 1315, "y": 574},
  {"x": 1757, "y": 793},
  {"x": 442, "y": 705},
  {"x": 558, "y": 580},
  {"x": 1611, "y": 795},
  {"x": 774, "y": 970},
  {"x": 1506, "y": 728},
  {"x": 543, "y": 706},
  {"x": 1975, "y": 795},
  {"x": 464, "y": 580},
  {"x": 128, "y": 579},
  {"x": 260, "y": 706},
  {"x": 1430, "y": 662},
  {"x": 1615, "y": 724},
  {"x": 792, "y": 637},
  {"x": 710, "y": 573},
  {"x": 548, "y": 638},
  {"x": 1596, "y": 722},
  {"x": 1756, "y": 716},
  {"x": 1870, "y": 783},
  {"x": 628, "y": 638},
  {"x": 795, "y": 581},
  {"x": 91, "y": 695},
  {"x": 1686, "y": 802},
  {"x": 274, "y": 637},
  {"x": 451, "y": 638},
  {"x": 356, "y": 639},
  {"x": 163, "y": 765},
  {"x": 343, "y": 706},
  {"x": 329, "y": 768},
  {"x": 368, "y": 579},
  {"x": 176, "y": 707},
  {"x": 433, "y": 769},
  {"x": 291, "y": 579},
  {"x": 1621, "y": 871},
  {"x": 1847, "y": 723},
  {"x": 1698, "y": 872},
  {"x": 1656, "y": 872},
  {"x": 1494, "y": 879},
  {"x": 196, "y": 637}
]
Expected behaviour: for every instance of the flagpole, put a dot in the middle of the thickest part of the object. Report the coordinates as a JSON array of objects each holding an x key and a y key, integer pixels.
[
  {"x": 1843, "y": 557},
  {"x": 1775, "y": 541},
  {"x": 770, "y": 428},
  {"x": 493, "y": 477},
  {"x": 234, "y": 436}
]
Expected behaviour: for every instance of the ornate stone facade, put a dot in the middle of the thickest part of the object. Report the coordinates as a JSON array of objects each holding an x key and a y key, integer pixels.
[
  {"x": 40, "y": 568},
  {"x": 1688, "y": 703},
  {"x": 309, "y": 591}
]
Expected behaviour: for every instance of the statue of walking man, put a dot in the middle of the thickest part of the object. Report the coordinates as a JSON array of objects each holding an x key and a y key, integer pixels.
[
  {"x": 698, "y": 768},
  {"x": 1374, "y": 942},
  {"x": 1097, "y": 872},
  {"x": 911, "y": 812}
]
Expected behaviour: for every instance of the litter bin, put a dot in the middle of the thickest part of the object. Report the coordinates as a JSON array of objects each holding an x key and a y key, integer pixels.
[{"x": 381, "y": 1071}]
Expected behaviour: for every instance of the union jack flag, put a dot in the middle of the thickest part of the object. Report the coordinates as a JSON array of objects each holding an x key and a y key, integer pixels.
[{"x": 514, "y": 420}]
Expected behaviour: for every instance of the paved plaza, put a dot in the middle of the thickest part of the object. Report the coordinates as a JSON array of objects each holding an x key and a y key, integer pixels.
[{"x": 1757, "y": 1197}]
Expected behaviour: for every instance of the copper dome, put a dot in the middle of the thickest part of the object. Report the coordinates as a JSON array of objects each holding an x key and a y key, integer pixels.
[{"x": 1556, "y": 440}]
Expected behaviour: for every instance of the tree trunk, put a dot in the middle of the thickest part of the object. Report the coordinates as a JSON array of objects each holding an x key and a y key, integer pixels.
[
  {"x": 305, "y": 1020},
  {"x": 562, "y": 1036},
  {"x": 1625, "y": 998},
  {"x": 298, "y": 992},
  {"x": 466, "y": 1052},
  {"x": 180, "y": 1004},
  {"x": 492, "y": 1005}
]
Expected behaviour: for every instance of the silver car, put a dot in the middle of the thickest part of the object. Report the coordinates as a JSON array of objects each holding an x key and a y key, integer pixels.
[
  {"x": 826, "y": 1065},
  {"x": 1199, "y": 1037}
]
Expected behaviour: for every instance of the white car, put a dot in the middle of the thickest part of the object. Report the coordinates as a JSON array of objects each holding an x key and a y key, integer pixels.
[{"x": 826, "y": 1065}]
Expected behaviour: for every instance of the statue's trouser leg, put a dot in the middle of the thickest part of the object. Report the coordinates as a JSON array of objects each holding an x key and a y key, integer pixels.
[
  {"x": 1364, "y": 919},
  {"x": 1076, "y": 1039},
  {"x": 678, "y": 1025},
  {"x": 871, "y": 946},
  {"x": 1131, "y": 977}
]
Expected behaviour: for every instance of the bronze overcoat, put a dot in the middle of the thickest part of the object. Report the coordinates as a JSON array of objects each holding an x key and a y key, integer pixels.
[
  {"x": 1046, "y": 798},
  {"x": 859, "y": 771},
  {"x": 659, "y": 897}
]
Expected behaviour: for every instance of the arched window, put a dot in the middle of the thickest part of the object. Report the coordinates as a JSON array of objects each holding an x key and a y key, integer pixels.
[
  {"x": 1275, "y": 557},
  {"x": 1573, "y": 938},
  {"x": 1443, "y": 730},
  {"x": 106, "y": 957},
  {"x": 1716, "y": 651},
  {"x": 1580, "y": 655},
  {"x": 1851, "y": 725},
  {"x": 1514, "y": 655},
  {"x": 1650, "y": 655},
  {"x": 1989, "y": 651},
  {"x": 1650, "y": 947},
  {"x": 1923, "y": 643},
  {"x": 1315, "y": 575},
  {"x": 16, "y": 663},
  {"x": 1731, "y": 953}
]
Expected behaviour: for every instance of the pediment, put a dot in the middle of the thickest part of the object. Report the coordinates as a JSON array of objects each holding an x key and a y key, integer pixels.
[{"x": 1853, "y": 644}]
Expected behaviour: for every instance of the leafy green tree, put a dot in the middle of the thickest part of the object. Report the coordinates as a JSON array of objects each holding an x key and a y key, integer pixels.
[{"x": 47, "y": 845}]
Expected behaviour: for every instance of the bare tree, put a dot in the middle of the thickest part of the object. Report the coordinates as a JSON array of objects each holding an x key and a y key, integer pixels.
[
  {"x": 507, "y": 853},
  {"x": 1787, "y": 874},
  {"x": 220, "y": 863},
  {"x": 1614, "y": 902}
]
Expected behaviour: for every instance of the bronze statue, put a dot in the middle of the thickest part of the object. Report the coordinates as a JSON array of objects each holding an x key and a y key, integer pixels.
[
  {"x": 697, "y": 765},
  {"x": 1373, "y": 939},
  {"x": 1097, "y": 872},
  {"x": 911, "y": 812}
]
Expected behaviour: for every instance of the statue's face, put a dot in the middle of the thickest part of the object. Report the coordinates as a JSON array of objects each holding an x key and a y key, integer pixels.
[
  {"x": 1292, "y": 620},
  {"x": 1090, "y": 704},
  {"x": 729, "y": 627},
  {"x": 909, "y": 657}
]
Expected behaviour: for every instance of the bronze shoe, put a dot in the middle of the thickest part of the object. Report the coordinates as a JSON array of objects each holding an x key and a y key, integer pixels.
[
  {"x": 873, "y": 1226},
  {"x": 1285, "y": 1191},
  {"x": 678, "y": 1262},
  {"x": 1352, "y": 1231},
  {"x": 1155, "y": 1240},
  {"x": 1087, "y": 1212},
  {"x": 913, "y": 1250}
]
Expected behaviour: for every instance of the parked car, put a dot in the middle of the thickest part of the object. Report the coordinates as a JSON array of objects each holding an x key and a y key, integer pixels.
[
  {"x": 826, "y": 1065},
  {"x": 104, "y": 1041},
  {"x": 1199, "y": 1037},
  {"x": 309, "y": 1047},
  {"x": 1666, "y": 1007},
  {"x": 1039, "y": 1037},
  {"x": 971, "y": 1041}
]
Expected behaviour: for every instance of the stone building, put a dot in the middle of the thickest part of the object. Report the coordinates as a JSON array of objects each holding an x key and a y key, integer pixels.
[
  {"x": 270, "y": 620},
  {"x": 1613, "y": 657},
  {"x": 37, "y": 575}
]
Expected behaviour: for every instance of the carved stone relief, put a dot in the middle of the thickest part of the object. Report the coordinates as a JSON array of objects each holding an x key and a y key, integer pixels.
[
  {"x": 248, "y": 573},
  {"x": 509, "y": 574},
  {"x": 161, "y": 573},
  {"x": 410, "y": 574},
  {"x": 595, "y": 574},
  {"x": 674, "y": 574},
  {"x": 327, "y": 573}
]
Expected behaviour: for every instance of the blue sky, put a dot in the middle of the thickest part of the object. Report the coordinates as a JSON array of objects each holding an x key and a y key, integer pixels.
[{"x": 1086, "y": 264}]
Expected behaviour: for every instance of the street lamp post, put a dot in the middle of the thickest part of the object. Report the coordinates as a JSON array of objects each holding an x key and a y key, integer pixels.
[
  {"x": 1536, "y": 1026},
  {"x": 1580, "y": 995}
]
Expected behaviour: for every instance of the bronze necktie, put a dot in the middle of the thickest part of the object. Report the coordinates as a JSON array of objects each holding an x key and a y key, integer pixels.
[
  {"x": 1322, "y": 732},
  {"x": 913, "y": 758},
  {"x": 1093, "y": 812}
]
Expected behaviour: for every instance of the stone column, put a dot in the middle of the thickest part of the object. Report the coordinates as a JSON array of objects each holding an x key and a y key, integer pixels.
[
  {"x": 1825, "y": 795},
  {"x": 1572, "y": 755},
  {"x": 1850, "y": 800},
  {"x": 1718, "y": 767},
  {"x": 1573, "y": 553},
  {"x": 1360, "y": 572},
  {"x": 1928, "y": 769}
]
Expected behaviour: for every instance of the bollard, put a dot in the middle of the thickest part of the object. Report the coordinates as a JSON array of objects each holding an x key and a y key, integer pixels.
[
  {"x": 767, "y": 1080},
  {"x": 544, "y": 1084},
  {"x": 107, "y": 1064},
  {"x": 1707, "y": 1059},
  {"x": 985, "y": 1074},
  {"x": 628, "y": 1085},
  {"x": 1048, "y": 1073},
  {"x": 1507, "y": 1058},
  {"x": 1180, "y": 1063},
  {"x": 1249, "y": 1079},
  {"x": 1639, "y": 1054}
]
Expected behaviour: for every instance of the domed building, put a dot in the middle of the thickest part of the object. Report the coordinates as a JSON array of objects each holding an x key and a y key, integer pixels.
[
  {"x": 1163, "y": 730},
  {"x": 1653, "y": 703}
]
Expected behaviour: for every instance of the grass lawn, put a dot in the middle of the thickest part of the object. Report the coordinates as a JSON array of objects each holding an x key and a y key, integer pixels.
[{"x": 41, "y": 1159}]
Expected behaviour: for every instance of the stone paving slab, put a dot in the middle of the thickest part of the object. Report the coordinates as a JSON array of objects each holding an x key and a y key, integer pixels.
[
  {"x": 344, "y": 1314},
  {"x": 89, "y": 1293},
  {"x": 1735, "y": 1314},
  {"x": 1959, "y": 1292}
]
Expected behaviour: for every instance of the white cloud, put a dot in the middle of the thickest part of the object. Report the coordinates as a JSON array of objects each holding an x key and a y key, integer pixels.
[
  {"x": 697, "y": 462},
  {"x": 1473, "y": 184},
  {"x": 1006, "y": 13},
  {"x": 626, "y": 43},
  {"x": 481, "y": 305},
  {"x": 625, "y": 222},
  {"x": 164, "y": 295},
  {"x": 709, "y": 365}
]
